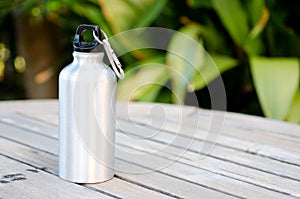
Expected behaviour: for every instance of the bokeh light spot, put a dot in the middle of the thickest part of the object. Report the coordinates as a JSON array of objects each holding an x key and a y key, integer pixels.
[
  {"x": 20, "y": 64},
  {"x": 4, "y": 52},
  {"x": 36, "y": 11}
]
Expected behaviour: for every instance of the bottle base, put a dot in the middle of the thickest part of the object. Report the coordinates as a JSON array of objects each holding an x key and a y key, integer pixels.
[{"x": 89, "y": 180}]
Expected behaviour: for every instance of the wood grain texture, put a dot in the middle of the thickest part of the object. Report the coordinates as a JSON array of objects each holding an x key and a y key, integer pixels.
[
  {"x": 160, "y": 151},
  {"x": 41, "y": 161},
  {"x": 155, "y": 181},
  {"x": 18, "y": 180}
]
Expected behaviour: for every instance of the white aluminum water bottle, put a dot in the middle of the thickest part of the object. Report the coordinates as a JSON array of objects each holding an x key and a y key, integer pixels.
[{"x": 87, "y": 100}]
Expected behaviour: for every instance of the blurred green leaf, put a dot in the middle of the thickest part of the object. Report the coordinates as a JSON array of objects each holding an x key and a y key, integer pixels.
[
  {"x": 276, "y": 81},
  {"x": 259, "y": 16},
  {"x": 185, "y": 55},
  {"x": 125, "y": 14},
  {"x": 122, "y": 15},
  {"x": 214, "y": 65},
  {"x": 199, "y": 3},
  {"x": 212, "y": 40},
  {"x": 254, "y": 10},
  {"x": 150, "y": 14},
  {"x": 92, "y": 13},
  {"x": 254, "y": 46},
  {"x": 294, "y": 113},
  {"x": 144, "y": 81},
  {"x": 233, "y": 17}
]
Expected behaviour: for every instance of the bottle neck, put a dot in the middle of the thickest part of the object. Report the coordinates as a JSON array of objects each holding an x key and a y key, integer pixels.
[{"x": 88, "y": 57}]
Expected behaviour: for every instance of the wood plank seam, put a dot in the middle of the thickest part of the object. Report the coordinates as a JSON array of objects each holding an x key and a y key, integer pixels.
[
  {"x": 248, "y": 119},
  {"x": 262, "y": 186},
  {"x": 52, "y": 154},
  {"x": 100, "y": 191},
  {"x": 148, "y": 187},
  {"x": 85, "y": 185},
  {"x": 234, "y": 178},
  {"x": 35, "y": 119},
  {"x": 54, "y": 126},
  {"x": 247, "y": 151},
  {"x": 189, "y": 181},
  {"x": 161, "y": 173},
  {"x": 219, "y": 144},
  {"x": 29, "y": 130},
  {"x": 49, "y": 172},
  {"x": 123, "y": 191},
  {"x": 27, "y": 145},
  {"x": 254, "y": 154},
  {"x": 219, "y": 158},
  {"x": 227, "y": 131},
  {"x": 257, "y": 185}
]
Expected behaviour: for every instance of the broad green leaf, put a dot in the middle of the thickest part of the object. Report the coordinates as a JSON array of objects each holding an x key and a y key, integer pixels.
[
  {"x": 143, "y": 82},
  {"x": 276, "y": 81},
  {"x": 184, "y": 57},
  {"x": 122, "y": 15},
  {"x": 214, "y": 65},
  {"x": 294, "y": 113},
  {"x": 233, "y": 17}
]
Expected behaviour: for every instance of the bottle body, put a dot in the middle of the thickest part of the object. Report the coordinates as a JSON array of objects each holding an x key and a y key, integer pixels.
[{"x": 87, "y": 103}]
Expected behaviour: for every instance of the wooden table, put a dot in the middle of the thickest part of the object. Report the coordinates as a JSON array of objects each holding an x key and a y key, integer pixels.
[{"x": 162, "y": 151}]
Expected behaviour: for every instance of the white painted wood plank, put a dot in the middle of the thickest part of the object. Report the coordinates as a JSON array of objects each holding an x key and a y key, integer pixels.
[
  {"x": 18, "y": 180},
  {"x": 266, "y": 141},
  {"x": 203, "y": 178},
  {"x": 29, "y": 123},
  {"x": 46, "y": 109},
  {"x": 232, "y": 119},
  {"x": 239, "y": 131},
  {"x": 230, "y": 174},
  {"x": 238, "y": 158},
  {"x": 50, "y": 107},
  {"x": 120, "y": 154},
  {"x": 224, "y": 168},
  {"x": 30, "y": 138},
  {"x": 195, "y": 145},
  {"x": 163, "y": 111},
  {"x": 242, "y": 130},
  {"x": 230, "y": 169},
  {"x": 155, "y": 180},
  {"x": 154, "y": 109},
  {"x": 198, "y": 149},
  {"x": 286, "y": 151},
  {"x": 249, "y": 147},
  {"x": 249, "y": 121},
  {"x": 47, "y": 162},
  {"x": 168, "y": 183},
  {"x": 247, "y": 159}
]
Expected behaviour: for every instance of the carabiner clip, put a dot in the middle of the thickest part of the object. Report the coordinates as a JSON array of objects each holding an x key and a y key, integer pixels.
[{"x": 113, "y": 59}]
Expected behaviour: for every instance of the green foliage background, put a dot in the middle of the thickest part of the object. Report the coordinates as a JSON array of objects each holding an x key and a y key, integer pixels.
[{"x": 255, "y": 45}]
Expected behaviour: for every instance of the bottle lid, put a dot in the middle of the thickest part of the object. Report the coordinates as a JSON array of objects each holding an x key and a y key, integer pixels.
[{"x": 80, "y": 45}]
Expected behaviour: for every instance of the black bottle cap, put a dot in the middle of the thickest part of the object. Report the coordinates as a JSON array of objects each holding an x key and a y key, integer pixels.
[{"x": 80, "y": 45}]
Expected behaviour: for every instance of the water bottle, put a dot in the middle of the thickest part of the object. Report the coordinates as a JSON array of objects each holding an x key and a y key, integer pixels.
[{"x": 87, "y": 101}]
